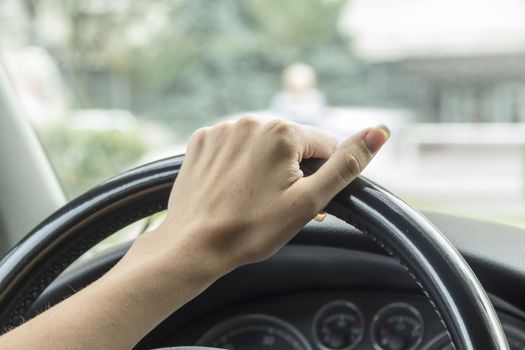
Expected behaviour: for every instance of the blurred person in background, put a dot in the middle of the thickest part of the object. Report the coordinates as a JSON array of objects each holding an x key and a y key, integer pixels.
[{"x": 300, "y": 100}]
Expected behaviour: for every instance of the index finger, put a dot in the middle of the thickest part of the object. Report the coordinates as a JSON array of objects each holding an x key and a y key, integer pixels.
[{"x": 315, "y": 143}]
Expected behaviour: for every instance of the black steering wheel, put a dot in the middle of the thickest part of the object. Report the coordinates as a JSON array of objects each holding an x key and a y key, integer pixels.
[{"x": 445, "y": 278}]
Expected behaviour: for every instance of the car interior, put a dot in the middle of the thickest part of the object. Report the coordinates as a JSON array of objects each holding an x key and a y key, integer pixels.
[
  {"x": 378, "y": 273},
  {"x": 323, "y": 293}
]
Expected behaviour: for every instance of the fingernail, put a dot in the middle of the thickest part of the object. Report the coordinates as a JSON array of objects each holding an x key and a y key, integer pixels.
[
  {"x": 320, "y": 217},
  {"x": 376, "y": 137}
]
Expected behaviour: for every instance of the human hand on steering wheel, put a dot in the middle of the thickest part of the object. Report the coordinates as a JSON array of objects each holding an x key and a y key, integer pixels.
[{"x": 239, "y": 197}]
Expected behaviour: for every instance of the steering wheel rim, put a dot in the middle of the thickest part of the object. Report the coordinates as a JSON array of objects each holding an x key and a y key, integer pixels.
[{"x": 437, "y": 267}]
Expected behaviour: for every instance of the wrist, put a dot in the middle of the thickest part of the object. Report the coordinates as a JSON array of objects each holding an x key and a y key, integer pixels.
[{"x": 166, "y": 255}]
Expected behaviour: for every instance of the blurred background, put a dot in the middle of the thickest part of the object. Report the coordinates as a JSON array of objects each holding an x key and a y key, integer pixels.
[{"x": 109, "y": 85}]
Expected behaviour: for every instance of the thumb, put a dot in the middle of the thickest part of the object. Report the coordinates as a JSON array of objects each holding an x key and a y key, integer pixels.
[{"x": 345, "y": 164}]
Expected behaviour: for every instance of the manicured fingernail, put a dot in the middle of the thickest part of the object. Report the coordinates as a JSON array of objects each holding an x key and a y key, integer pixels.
[
  {"x": 320, "y": 217},
  {"x": 376, "y": 137}
]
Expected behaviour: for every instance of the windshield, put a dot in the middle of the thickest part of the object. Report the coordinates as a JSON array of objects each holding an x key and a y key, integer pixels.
[{"x": 110, "y": 85}]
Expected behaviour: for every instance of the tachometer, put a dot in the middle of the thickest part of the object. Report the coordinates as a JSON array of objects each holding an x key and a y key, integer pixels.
[
  {"x": 255, "y": 332},
  {"x": 338, "y": 325},
  {"x": 397, "y": 326}
]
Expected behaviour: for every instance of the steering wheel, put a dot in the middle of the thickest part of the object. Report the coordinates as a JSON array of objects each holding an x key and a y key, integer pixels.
[{"x": 437, "y": 267}]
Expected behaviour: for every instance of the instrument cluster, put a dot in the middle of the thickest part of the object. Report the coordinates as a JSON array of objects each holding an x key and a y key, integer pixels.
[{"x": 337, "y": 324}]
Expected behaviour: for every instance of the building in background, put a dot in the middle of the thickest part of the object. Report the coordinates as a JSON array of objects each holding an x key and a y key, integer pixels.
[{"x": 451, "y": 61}]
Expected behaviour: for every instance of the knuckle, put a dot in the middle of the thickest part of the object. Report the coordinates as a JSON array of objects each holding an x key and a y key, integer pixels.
[
  {"x": 197, "y": 142},
  {"x": 283, "y": 131},
  {"x": 222, "y": 127},
  {"x": 284, "y": 135},
  {"x": 198, "y": 136},
  {"x": 248, "y": 121},
  {"x": 351, "y": 168},
  {"x": 280, "y": 128}
]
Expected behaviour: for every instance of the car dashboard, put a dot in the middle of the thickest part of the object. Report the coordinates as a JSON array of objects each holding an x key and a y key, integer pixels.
[
  {"x": 331, "y": 321},
  {"x": 331, "y": 288}
]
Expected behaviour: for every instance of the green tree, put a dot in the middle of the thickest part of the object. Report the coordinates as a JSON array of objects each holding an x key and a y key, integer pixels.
[
  {"x": 202, "y": 59},
  {"x": 84, "y": 158},
  {"x": 220, "y": 57}
]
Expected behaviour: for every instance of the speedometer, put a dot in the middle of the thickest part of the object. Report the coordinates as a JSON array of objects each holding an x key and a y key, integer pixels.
[{"x": 255, "y": 332}]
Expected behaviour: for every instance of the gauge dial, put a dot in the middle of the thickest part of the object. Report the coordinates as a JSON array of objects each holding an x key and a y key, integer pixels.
[
  {"x": 338, "y": 325},
  {"x": 397, "y": 326},
  {"x": 255, "y": 332},
  {"x": 515, "y": 338}
]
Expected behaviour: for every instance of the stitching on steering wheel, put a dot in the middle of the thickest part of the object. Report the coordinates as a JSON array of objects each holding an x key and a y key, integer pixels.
[
  {"x": 68, "y": 254},
  {"x": 389, "y": 251}
]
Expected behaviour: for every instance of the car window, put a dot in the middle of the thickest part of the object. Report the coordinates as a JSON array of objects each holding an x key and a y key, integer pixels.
[{"x": 109, "y": 85}]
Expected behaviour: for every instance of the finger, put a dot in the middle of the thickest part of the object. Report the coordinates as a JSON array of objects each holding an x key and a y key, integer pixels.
[
  {"x": 315, "y": 143},
  {"x": 345, "y": 164},
  {"x": 320, "y": 216}
]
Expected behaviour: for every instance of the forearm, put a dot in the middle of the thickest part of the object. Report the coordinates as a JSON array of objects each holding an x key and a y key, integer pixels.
[{"x": 120, "y": 308}]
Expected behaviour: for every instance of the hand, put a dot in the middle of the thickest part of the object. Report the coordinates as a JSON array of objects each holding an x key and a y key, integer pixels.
[{"x": 240, "y": 195}]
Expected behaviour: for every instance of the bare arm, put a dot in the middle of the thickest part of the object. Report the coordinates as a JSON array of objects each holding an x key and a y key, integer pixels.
[{"x": 240, "y": 196}]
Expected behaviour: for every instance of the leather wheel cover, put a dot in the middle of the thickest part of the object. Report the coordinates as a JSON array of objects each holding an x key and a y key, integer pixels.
[{"x": 404, "y": 233}]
